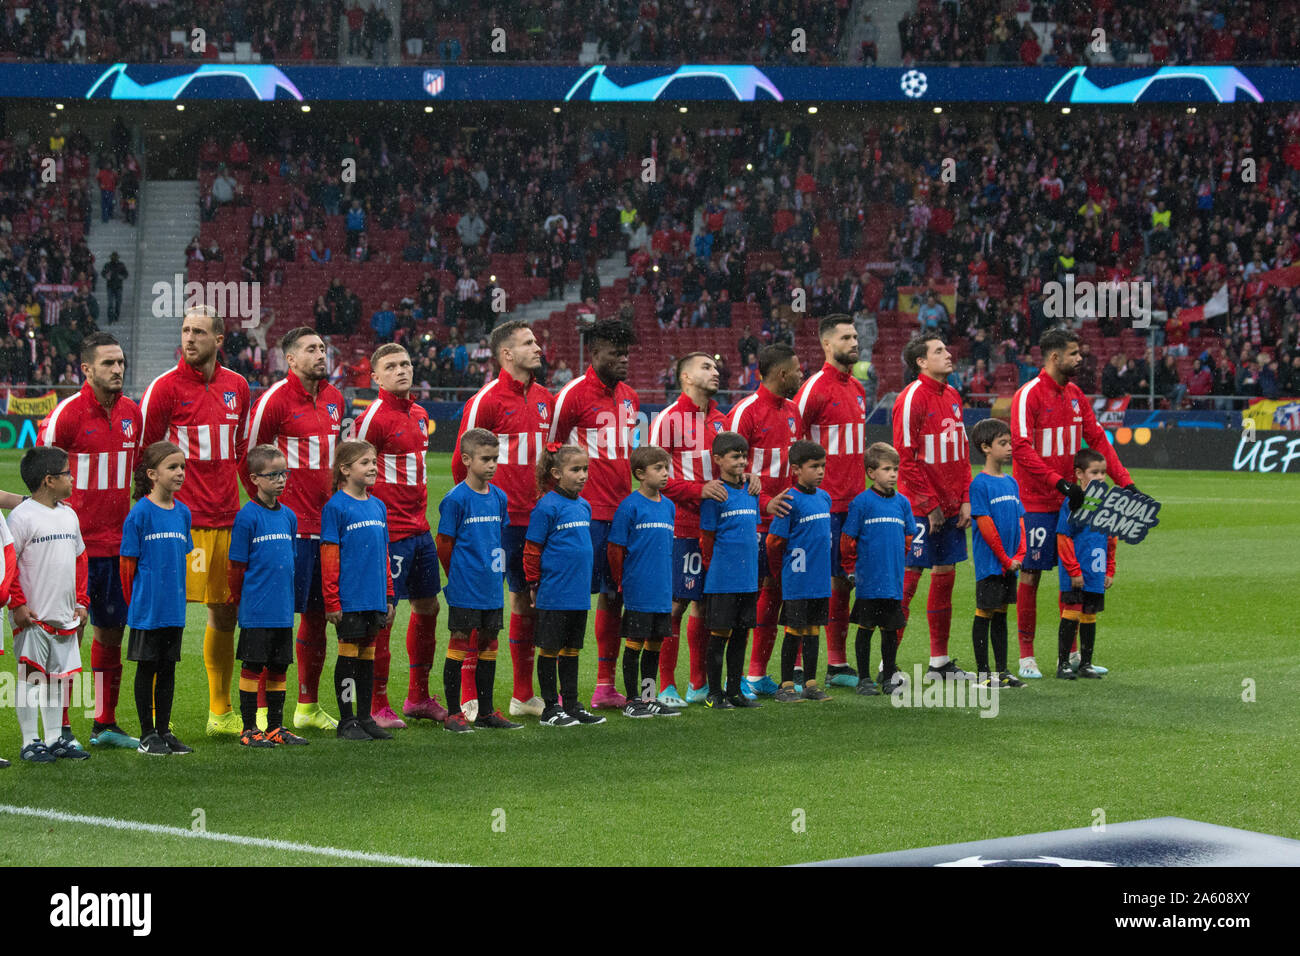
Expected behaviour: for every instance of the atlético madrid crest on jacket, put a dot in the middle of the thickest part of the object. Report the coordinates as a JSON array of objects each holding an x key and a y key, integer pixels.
[{"x": 231, "y": 400}]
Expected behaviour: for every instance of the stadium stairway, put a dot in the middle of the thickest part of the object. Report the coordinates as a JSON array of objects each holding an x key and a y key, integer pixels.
[
  {"x": 539, "y": 310},
  {"x": 885, "y": 15},
  {"x": 104, "y": 239},
  {"x": 169, "y": 216}
]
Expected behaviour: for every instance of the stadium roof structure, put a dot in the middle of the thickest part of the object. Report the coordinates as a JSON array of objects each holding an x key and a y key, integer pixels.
[{"x": 719, "y": 83}]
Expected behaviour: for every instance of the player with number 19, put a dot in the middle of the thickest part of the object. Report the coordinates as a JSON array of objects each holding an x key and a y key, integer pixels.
[
  {"x": 799, "y": 544},
  {"x": 472, "y": 519}
]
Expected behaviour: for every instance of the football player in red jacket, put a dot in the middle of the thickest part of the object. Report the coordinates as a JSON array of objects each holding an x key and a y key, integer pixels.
[
  {"x": 934, "y": 475},
  {"x": 1050, "y": 420}
]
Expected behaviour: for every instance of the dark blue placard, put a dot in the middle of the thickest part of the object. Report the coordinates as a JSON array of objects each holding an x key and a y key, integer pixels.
[{"x": 642, "y": 84}]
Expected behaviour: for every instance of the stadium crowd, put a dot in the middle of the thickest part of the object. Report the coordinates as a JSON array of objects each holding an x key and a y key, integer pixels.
[{"x": 1163, "y": 32}]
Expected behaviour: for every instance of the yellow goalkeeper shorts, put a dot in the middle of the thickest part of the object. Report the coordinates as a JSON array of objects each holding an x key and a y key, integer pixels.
[{"x": 205, "y": 574}]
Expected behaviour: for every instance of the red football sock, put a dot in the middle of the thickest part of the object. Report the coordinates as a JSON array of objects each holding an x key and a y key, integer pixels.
[
  {"x": 106, "y": 662},
  {"x": 383, "y": 660},
  {"x": 607, "y": 645},
  {"x": 1026, "y": 615},
  {"x": 421, "y": 647},
  {"x": 521, "y": 656},
  {"x": 668, "y": 653},
  {"x": 769, "y": 607},
  {"x": 837, "y": 630},
  {"x": 911, "y": 581},
  {"x": 310, "y": 648},
  {"x": 261, "y": 689},
  {"x": 939, "y": 609},
  {"x": 697, "y": 639},
  {"x": 469, "y": 672}
]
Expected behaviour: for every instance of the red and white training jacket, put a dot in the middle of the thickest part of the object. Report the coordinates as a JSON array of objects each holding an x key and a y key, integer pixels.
[
  {"x": 207, "y": 420},
  {"x": 101, "y": 455},
  {"x": 934, "y": 456},
  {"x": 1049, "y": 424},
  {"x": 399, "y": 430},
  {"x": 600, "y": 420},
  {"x": 686, "y": 432},
  {"x": 833, "y": 405},
  {"x": 306, "y": 430},
  {"x": 770, "y": 424},
  {"x": 519, "y": 414}
]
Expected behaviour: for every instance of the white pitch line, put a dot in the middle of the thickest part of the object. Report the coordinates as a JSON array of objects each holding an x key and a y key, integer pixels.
[{"x": 113, "y": 823}]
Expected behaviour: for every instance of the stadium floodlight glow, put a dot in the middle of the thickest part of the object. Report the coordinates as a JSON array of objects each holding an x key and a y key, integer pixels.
[
  {"x": 306, "y": 108},
  {"x": 1065, "y": 111},
  {"x": 681, "y": 109},
  {"x": 749, "y": 167},
  {"x": 812, "y": 109},
  {"x": 938, "y": 109},
  {"x": 1191, "y": 109},
  {"x": 180, "y": 107},
  {"x": 58, "y": 106},
  {"x": 428, "y": 109},
  {"x": 555, "y": 109}
]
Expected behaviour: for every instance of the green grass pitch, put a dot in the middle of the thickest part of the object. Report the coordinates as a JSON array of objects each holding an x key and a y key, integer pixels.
[{"x": 1199, "y": 611}]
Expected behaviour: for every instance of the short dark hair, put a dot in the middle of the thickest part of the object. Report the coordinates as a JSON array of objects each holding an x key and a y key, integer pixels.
[
  {"x": 987, "y": 431},
  {"x": 770, "y": 356},
  {"x": 1056, "y": 340},
  {"x": 681, "y": 364},
  {"x": 727, "y": 442},
  {"x": 829, "y": 323},
  {"x": 388, "y": 348},
  {"x": 290, "y": 338},
  {"x": 880, "y": 453},
  {"x": 918, "y": 348},
  {"x": 645, "y": 456},
  {"x": 39, "y": 463},
  {"x": 804, "y": 451},
  {"x": 86, "y": 351},
  {"x": 478, "y": 438},
  {"x": 259, "y": 456},
  {"x": 1087, "y": 456},
  {"x": 613, "y": 332},
  {"x": 502, "y": 333}
]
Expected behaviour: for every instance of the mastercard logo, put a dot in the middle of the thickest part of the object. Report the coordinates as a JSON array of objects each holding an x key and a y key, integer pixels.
[{"x": 1125, "y": 436}]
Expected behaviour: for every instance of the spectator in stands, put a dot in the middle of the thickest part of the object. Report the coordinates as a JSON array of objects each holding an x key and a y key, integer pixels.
[
  {"x": 356, "y": 223},
  {"x": 1112, "y": 378},
  {"x": 383, "y": 321},
  {"x": 470, "y": 227},
  {"x": 1268, "y": 377},
  {"x": 933, "y": 315},
  {"x": 1086, "y": 375},
  {"x": 1247, "y": 379},
  {"x": 320, "y": 253},
  {"x": 977, "y": 383},
  {"x": 1167, "y": 383},
  {"x": 107, "y": 180},
  {"x": 115, "y": 272},
  {"x": 562, "y": 375},
  {"x": 323, "y": 316},
  {"x": 224, "y": 187},
  {"x": 1200, "y": 383}
]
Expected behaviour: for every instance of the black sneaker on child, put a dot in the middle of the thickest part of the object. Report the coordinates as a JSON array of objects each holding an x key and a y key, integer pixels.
[
  {"x": 555, "y": 716},
  {"x": 812, "y": 692},
  {"x": 494, "y": 721},
  {"x": 63, "y": 749},
  {"x": 1088, "y": 671},
  {"x": 350, "y": 729},
  {"x": 154, "y": 746},
  {"x": 948, "y": 671},
  {"x": 1066, "y": 672},
  {"x": 892, "y": 683},
  {"x": 786, "y": 694},
  {"x": 636, "y": 708},
  {"x": 740, "y": 701},
  {"x": 718, "y": 702},
  {"x": 371, "y": 727},
  {"x": 1007, "y": 679},
  {"x": 867, "y": 688},
  {"x": 174, "y": 745},
  {"x": 661, "y": 710},
  {"x": 584, "y": 716}
]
